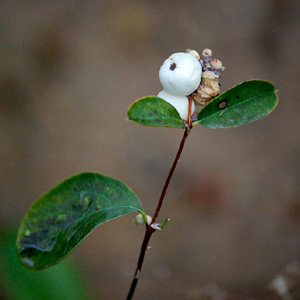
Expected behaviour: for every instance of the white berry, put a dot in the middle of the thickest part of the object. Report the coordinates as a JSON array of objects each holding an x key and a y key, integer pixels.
[
  {"x": 181, "y": 103},
  {"x": 139, "y": 219},
  {"x": 180, "y": 74}
]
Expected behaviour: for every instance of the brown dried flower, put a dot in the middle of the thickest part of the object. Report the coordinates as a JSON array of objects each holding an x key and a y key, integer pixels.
[{"x": 211, "y": 71}]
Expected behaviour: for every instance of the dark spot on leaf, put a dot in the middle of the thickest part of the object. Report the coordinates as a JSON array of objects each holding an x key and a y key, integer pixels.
[
  {"x": 222, "y": 104},
  {"x": 237, "y": 97},
  {"x": 172, "y": 66}
]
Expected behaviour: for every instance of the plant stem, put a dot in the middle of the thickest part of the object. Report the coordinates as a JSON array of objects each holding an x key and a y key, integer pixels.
[
  {"x": 149, "y": 229},
  {"x": 163, "y": 193},
  {"x": 189, "y": 120}
]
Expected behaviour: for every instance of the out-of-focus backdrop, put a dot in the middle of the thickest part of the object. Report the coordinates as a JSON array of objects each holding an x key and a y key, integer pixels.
[{"x": 70, "y": 69}]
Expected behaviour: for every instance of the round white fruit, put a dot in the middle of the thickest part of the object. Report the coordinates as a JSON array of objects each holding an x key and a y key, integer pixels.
[
  {"x": 139, "y": 219},
  {"x": 181, "y": 103},
  {"x": 180, "y": 74}
]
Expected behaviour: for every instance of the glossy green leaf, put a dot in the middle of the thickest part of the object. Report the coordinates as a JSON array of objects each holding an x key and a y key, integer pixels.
[
  {"x": 244, "y": 103},
  {"x": 154, "y": 111},
  {"x": 59, "y": 220},
  {"x": 61, "y": 282}
]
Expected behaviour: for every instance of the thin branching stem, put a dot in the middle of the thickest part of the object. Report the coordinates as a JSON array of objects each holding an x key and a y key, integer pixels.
[{"x": 149, "y": 229}]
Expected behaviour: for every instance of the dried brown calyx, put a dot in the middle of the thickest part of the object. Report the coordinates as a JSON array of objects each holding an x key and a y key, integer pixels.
[{"x": 211, "y": 72}]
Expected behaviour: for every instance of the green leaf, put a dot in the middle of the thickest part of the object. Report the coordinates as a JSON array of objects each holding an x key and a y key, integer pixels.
[
  {"x": 154, "y": 111},
  {"x": 59, "y": 220},
  {"x": 64, "y": 281},
  {"x": 244, "y": 103}
]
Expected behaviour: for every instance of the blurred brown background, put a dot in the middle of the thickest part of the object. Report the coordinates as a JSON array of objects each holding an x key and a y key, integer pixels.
[{"x": 70, "y": 69}]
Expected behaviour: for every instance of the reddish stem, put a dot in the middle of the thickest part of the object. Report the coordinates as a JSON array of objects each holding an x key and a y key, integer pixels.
[
  {"x": 163, "y": 193},
  {"x": 189, "y": 120},
  {"x": 149, "y": 229}
]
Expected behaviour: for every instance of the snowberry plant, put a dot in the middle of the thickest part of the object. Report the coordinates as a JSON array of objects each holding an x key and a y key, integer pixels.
[{"x": 61, "y": 218}]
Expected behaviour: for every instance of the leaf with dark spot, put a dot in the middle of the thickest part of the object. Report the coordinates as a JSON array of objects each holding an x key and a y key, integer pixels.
[{"x": 244, "y": 103}]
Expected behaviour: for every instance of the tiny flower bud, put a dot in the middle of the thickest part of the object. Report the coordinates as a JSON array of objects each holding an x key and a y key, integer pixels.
[
  {"x": 149, "y": 220},
  {"x": 209, "y": 75},
  {"x": 216, "y": 64},
  {"x": 194, "y": 53},
  {"x": 206, "y": 52}
]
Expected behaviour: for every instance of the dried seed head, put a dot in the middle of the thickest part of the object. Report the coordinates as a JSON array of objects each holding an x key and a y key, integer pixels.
[
  {"x": 211, "y": 72},
  {"x": 194, "y": 53},
  {"x": 207, "y": 91},
  {"x": 216, "y": 64},
  {"x": 209, "y": 75},
  {"x": 206, "y": 52}
]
